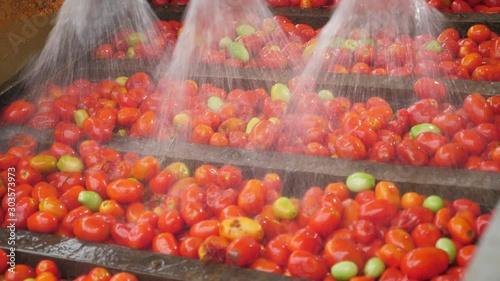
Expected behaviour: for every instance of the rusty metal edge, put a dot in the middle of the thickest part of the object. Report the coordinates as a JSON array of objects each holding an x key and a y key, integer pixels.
[{"x": 80, "y": 256}]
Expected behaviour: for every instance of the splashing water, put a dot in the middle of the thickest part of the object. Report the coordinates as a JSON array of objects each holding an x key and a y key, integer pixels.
[
  {"x": 381, "y": 37},
  {"x": 80, "y": 27}
]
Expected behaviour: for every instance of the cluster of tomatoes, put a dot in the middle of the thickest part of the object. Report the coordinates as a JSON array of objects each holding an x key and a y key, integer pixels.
[
  {"x": 151, "y": 44},
  {"x": 280, "y": 44},
  {"x": 362, "y": 227},
  {"x": 47, "y": 270},
  {"x": 454, "y": 6},
  {"x": 467, "y": 6},
  {"x": 290, "y": 120}
]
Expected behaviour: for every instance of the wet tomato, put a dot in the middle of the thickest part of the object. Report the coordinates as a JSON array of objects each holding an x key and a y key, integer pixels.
[
  {"x": 91, "y": 228},
  {"x": 18, "y": 112},
  {"x": 316, "y": 269},
  {"x": 424, "y": 263},
  {"x": 378, "y": 211},
  {"x": 125, "y": 190},
  {"x": 166, "y": 243}
]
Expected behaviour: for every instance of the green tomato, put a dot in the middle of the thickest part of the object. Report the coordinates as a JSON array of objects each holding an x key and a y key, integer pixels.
[
  {"x": 135, "y": 38},
  {"x": 121, "y": 133},
  {"x": 325, "y": 95},
  {"x": 121, "y": 80},
  {"x": 251, "y": 123},
  {"x": 433, "y": 203},
  {"x": 80, "y": 115},
  {"x": 360, "y": 181},
  {"x": 215, "y": 103},
  {"x": 244, "y": 29},
  {"x": 284, "y": 209},
  {"x": 336, "y": 42},
  {"x": 374, "y": 267},
  {"x": 90, "y": 199},
  {"x": 224, "y": 42},
  {"x": 344, "y": 270},
  {"x": 448, "y": 246},
  {"x": 280, "y": 91},
  {"x": 69, "y": 163},
  {"x": 238, "y": 51},
  {"x": 433, "y": 45},
  {"x": 350, "y": 44},
  {"x": 309, "y": 50},
  {"x": 131, "y": 53},
  {"x": 367, "y": 42},
  {"x": 422, "y": 128},
  {"x": 179, "y": 169}
]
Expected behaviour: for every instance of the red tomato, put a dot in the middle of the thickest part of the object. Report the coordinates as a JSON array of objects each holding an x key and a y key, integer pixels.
[
  {"x": 424, "y": 263},
  {"x": 316, "y": 269},
  {"x": 20, "y": 272},
  {"x": 450, "y": 155},
  {"x": 325, "y": 220},
  {"x": 253, "y": 197},
  {"x": 47, "y": 266},
  {"x": 426, "y": 235},
  {"x": 461, "y": 230},
  {"x": 18, "y": 112},
  {"x": 306, "y": 239},
  {"x": 42, "y": 221},
  {"x": 97, "y": 129},
  {"x": 378, "y": 211},
  {"x": 465, "y": 254},
  {"x": 339, "y": 249},
  {"x": 125, "y": 190},
  {"x": 91, "y": 228},
  {"x": 479, "y": 33},
  {"x": 277, "y": 250},
  {"x": 350, "y": 146},
  {"x": 188, "y": 247},
  {"x": 478, "y": 109},
  {"x": 243, "y": 251},
  {"x": 166, "y": 243},
  {"x": 430, "y": 88},
  {"x": 469, "y": 139}
]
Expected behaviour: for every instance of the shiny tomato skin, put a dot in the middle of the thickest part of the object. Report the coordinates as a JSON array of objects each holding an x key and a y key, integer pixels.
[
  {"x": 316, "y": 269},
  {"x": 426, "y": 235},
  {"x": 378, "y": 211},
  {"x": 43, "y": 222},
  {"x": 306, "y": 239},
  {"x": 478, "y": 109},
  {"x": 166, "y": 243},
  {"x": 140, "y": 235},
  {"x": 18, "y": 112},
  {"x": 424, "y": 263},
  {"x": 125, "y": 190},
  {"x": 350, "y": 146},
  {"x": 470, "y": 140},
  {"x": 411, "y": 153},
  {"x": 243, "y": 251},
  {"x": 252, "y": 198},
  {"x": 91, "y": 228},
  {"x": 430, "y": 88},
  {"x": 20, "y": 272},
  {"x": 450, "y": 155},
  {"x": 339, "y": 249},
  {"x": 97, "y": 129},
  {"x": 188, "y": 247}
]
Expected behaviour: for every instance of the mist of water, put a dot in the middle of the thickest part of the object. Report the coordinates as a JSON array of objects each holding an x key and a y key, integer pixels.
[{"x": 82, "y": 26}]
